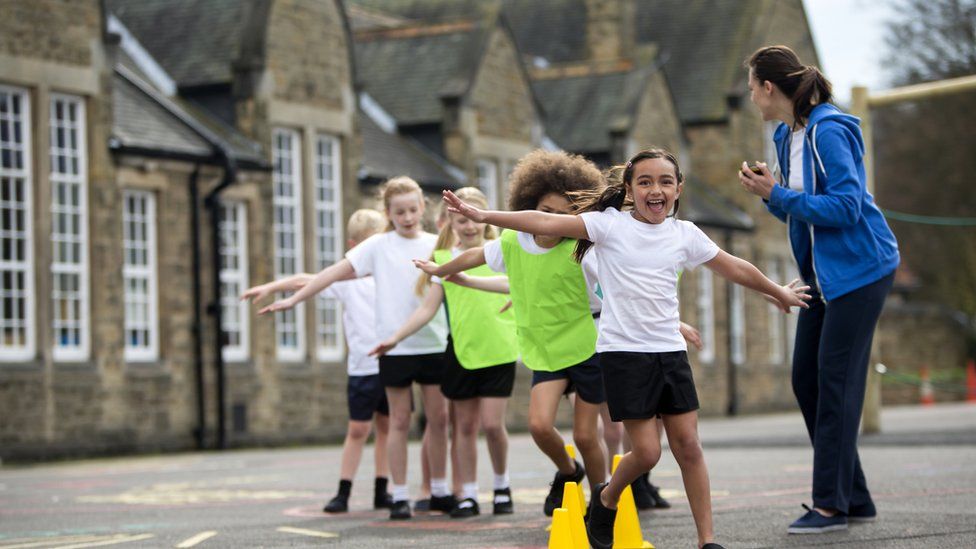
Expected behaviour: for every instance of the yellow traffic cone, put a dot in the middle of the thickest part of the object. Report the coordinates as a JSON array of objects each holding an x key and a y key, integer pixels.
[
  {"x": 561, "y": 536},
  {"x": 572, "y": 504},
  {"x": 627, "y": 529},
  {"x": 572, "y": 455}
]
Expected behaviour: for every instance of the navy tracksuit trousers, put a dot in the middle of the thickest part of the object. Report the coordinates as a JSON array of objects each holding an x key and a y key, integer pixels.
[{"x": 830, "y": 361}]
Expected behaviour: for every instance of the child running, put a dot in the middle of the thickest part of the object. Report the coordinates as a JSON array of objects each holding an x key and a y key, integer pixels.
[
  {"x": 479, "y": 362},
  {"x": 556, "y": 333},
  {"x": 420, "y": 357},
  {"x": 642, "y": 354},
  {"x": 365, "y": 396}
]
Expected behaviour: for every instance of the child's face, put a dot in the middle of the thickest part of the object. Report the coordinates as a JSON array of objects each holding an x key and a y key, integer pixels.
[
  {"x": 654, "y": 188},
  {"x": 406, "y": 211},
  {"x": 469, "y": 233},
  {"x": 555, "y": 203}
]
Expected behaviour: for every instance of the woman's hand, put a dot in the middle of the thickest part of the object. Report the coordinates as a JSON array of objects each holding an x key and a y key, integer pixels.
[
  {"x": 280, "y": 305},
  {"x": 691, "y": 335},
  {"x": 759, "y": 185},
  {"x": 384, "y": 347},
  {"x": 427, "y": 266},
  {"x": 455, "y": 205},
  {"x": 257, "y": 293},
  {"x": 793, "y": 294}
]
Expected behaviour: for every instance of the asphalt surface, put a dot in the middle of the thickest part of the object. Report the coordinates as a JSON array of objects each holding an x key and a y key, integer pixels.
[{"x": 922, "y": 470}]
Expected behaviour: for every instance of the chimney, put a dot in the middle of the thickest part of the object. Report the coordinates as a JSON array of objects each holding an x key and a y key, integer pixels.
[{"x": 609, "y": 29}]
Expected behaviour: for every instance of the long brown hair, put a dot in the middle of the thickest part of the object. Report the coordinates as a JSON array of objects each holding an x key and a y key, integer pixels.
[
  {"x": 446, "y": 238},
  {"x": 805, "y": 85},
  {"x": 400, "y": 184},
  {"x": 614, "y": 194}
]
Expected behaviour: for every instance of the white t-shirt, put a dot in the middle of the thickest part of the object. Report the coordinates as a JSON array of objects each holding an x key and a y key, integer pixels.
[
  {"x": 496, "y": 262},
  {"x": 358, "y": 300},
  {"x": 389, "y": 258},
  {"x": 796, "y": 160},
  {"x": 639, "y": 264}
]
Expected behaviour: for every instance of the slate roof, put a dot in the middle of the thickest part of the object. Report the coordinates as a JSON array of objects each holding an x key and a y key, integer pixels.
[
  {"x": 408, "y": 71},
  {"x": 386, "y": 155},
  {"x": 195, "y": 41},
  {"x": 581, "y": 111},
  {"x": 704, "y": 206}
]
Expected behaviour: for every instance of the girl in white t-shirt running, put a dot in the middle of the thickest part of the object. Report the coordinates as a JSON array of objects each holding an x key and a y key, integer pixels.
[
  {"x": 642, "y": 354},
  {"x": 420, "y": 357},
  {"x": 480, "y": 360}
]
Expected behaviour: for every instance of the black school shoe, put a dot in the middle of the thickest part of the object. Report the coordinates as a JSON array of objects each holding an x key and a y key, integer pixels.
[
  {"x": 502, "y": 502},
  {"x": 712, "y": 546},
  {"x": 466, "y": 508},
  {"x": 400, "y": 510},
  {"x": 862, "y": 513},
  {"x": 382, "y": 501},
  {"x": 600, "y": 519},
  {"x": 555, "y": 498},
  {"x": 659, "y": 502},
  {"x": 643, "y": 498},
  {"x": 422, "y": 505},
  {"x": 445, "y": 504},
  {"x": 338, "y": 504}
]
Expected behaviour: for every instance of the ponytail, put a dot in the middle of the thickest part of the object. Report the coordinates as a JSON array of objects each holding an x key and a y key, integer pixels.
[
  {"x": 805, "y": 85},
  {"x": 614, "y": 194}
]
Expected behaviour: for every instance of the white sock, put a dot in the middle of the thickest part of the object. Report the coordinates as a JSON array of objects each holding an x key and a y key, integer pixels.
[
  {"x": 401, "y": 492},
  {"x": 438, "y": 487},
  {"x": 501, "y": 481},
  {"x": 469, "y": 490}
]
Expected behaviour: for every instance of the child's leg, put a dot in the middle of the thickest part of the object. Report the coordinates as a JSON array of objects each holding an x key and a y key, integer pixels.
[
  {"x": 381, "y": 457},
  {"x": 399, "y": 402},
  {"x": 588, "y": 442},
  {"x": 613, "y": 433},
  {"x": 683, "y": 439},
  {"x": 645, "y": 453},
  {"x": 435, "y": 406},
  {"x": 496, "y": 434},
  {"x": 466, "y": 427},
  {"x": 425, "y": 465},
  {"x": 543, "y": 405},
  {"x": 456, "y": 479},
  {"x": 352, "y": 448}
]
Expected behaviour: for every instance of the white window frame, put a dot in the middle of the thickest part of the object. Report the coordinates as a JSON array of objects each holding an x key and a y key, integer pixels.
[
  {"x": 233, "y": 243},
  {"x": 78, "y": 267},
  {"x": 706, "y": 315},
  {"x": 488, "y": 181},
  {"x": 292, "y": 321},
  {"x": 737, "y": 325},
  {"x": 328, "y": 176},
  {"x": 25, "y": 266},
  {"x": 775, "y": 337},
  {"x": 147, "y": 272}
]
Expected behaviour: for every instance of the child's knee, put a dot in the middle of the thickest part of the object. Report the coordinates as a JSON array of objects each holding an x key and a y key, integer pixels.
[
  {"x": 400, "y": 422},
  {"x": 585, "y": 439},
  {"x": 647, "y": 457},
  {"x": 686, "y": 448},
  {"x": 539, "y": 427},
  {"x": 468, "y": 427},
  {"x": 493, "y": 429},
  {"x": 358, "y": 430}
]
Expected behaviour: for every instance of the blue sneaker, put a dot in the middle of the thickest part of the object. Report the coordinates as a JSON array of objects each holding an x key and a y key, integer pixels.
[
  {"x": 815, "y": 523},
  {"x": 862, "y": 513}
]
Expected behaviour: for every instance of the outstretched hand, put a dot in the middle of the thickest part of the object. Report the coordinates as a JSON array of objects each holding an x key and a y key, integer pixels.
[
  {"x": 280, "y": 305},
  {"x": 760, "y": 185},
  {"x": 455, "y": 205},
  {"x": 257, "y": 293},
  {"x": 793, "y": 294},
  {"x": 426, "y": 266}
]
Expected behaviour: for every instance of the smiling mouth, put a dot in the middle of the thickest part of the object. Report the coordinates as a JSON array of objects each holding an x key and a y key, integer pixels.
[{"x": 655, "y": 206}]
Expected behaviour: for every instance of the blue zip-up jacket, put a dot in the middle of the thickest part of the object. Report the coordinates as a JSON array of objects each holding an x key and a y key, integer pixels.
[{"x": 835, "y": 216}]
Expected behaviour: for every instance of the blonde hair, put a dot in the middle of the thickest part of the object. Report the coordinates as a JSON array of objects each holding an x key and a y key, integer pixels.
[
  {"x": 364, "y": 224},
  {"x": 446, "y": 238},
  {"x": 400, "y": 184}
]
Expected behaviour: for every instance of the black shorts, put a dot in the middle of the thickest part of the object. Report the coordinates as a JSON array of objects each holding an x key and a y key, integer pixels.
[
  {"x": 402, "y": 370},
  {"x": 648, "y": 384},
  {"x": 366, "y": 396},
  {"x": 584, "y": 378},
  {"x": 460, "y": 383}
]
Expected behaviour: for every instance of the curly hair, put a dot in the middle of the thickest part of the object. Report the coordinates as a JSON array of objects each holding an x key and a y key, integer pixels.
[{"x": 542, "y": 172}]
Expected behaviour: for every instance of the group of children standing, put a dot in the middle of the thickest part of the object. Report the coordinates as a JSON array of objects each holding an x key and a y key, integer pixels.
[{"x": 591, "y": 267}]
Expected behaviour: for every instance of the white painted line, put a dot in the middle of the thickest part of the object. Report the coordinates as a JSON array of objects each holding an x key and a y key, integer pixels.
[
  {"x": 199, "y": 538},
  {"x": 115, "y": 540},
  {"x": 304, "y": 532},
  {"x": 25, "y": 543}
]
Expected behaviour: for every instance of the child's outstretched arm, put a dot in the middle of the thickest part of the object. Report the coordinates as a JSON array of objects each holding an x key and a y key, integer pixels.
[
  {"x": 746, "y": 274},
  {"x": 341, "y": 270},
  {"x": 288, "y": 284},
  {"x": 494, "y": 284},
  {"x": 528, "y": 221},
  {"x": 468, "y": 259},
  {"x": 418, "y": 319}
]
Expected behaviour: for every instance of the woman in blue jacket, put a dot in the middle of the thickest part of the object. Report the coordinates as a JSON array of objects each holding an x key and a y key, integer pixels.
[{"x": 846, "y": 254}]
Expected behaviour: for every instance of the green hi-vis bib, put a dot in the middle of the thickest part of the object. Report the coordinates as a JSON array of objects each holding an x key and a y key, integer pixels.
[
  {"x": 482, "y": 336},
  {"x": 552, "y": 311}
]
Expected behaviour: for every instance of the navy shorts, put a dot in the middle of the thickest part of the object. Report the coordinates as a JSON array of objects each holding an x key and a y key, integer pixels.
[
  {"x": 366, "y": 396},
  {"x": 584, "y": 378},
  {"x": 403, "y": 370},
  {"x": 648, "y": 384},
  {"x": 460, "y": 383}
]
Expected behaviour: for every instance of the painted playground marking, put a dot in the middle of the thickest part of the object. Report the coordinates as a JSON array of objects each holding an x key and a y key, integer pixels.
[
  {"x": 199, "y": 538},
  {"x": 72, "y": 542},
  {"x": 306, "y": 532}
]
